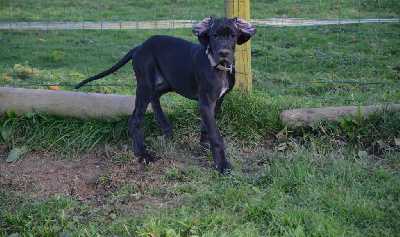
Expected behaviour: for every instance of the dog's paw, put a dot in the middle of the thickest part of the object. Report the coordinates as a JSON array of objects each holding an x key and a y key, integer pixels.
[
  {"x": 224, "y": 168},
  {"x": 146, "y": 157}
]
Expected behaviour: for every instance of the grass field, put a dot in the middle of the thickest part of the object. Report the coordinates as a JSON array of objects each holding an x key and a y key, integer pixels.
[
  {"x": 69, "y": 10},
  {"x": 318, "y": 61},
  {"x": 342, "y": 64},
  {"x": 72, "y": 177},
  {"x": 327, "y": 179}
]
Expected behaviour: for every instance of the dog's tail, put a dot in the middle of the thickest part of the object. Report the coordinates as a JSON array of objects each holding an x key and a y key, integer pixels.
[{"x": 121, "y": 63}]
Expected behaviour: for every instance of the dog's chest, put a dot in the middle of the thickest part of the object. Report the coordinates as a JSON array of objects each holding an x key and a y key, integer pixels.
[{"x": 225, "y": 87}]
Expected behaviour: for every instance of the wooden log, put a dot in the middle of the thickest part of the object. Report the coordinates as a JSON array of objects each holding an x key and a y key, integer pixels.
[
  {"x": 75, "y": 104},
  {"x": 302, "y": 117}
]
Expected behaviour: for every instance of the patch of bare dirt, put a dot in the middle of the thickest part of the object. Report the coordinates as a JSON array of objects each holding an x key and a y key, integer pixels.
[
  {"x": 92, "y": 176},
  {"x": 99, "y": 177}
]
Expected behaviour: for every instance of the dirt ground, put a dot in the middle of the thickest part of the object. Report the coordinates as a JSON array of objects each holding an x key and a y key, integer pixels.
[
  {"x": 94, "y": 175},
  {"x": 98, "y": 176}
]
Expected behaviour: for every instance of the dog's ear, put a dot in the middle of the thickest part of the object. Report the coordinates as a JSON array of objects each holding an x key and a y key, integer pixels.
[
  {"x": 246, "y": 30},
  {"x": 201, "y": 30}
]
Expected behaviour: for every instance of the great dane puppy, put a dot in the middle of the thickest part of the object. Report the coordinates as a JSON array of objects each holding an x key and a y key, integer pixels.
[{"x": 203, "y": 72}]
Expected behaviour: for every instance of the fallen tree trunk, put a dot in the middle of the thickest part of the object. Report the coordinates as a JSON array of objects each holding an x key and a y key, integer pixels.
[
  {"x": 75, "y": 104},
  {"x": 302, "y": 117}
]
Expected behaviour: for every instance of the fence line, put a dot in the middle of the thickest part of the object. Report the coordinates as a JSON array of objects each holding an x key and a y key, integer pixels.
[{"x": 177, "y": 24}]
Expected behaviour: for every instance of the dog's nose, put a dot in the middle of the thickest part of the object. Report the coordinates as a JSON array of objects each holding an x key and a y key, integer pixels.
[{"x": 223, "y": 52}]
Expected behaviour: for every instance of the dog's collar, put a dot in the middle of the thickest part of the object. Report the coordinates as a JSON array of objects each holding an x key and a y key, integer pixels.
[{"x": 214, "y": 64}]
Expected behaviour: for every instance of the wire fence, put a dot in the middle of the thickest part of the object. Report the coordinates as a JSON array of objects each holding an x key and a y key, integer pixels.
[{"x": 344, "y": 52}]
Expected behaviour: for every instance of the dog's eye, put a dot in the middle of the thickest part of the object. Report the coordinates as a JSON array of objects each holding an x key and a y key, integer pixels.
[
  {"x": 233, "y": 35},
  {"x": 215, "y": 35}
]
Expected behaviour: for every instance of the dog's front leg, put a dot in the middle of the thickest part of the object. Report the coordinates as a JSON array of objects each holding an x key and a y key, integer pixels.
[
  {"x": 203, "y": 131},
  {"x": 215, "y": 139}
]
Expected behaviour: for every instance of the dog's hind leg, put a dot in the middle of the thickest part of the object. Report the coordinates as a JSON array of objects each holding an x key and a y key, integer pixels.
[
  {"x": 163, "y": 123},
  {"x": 143, "y": 98}
]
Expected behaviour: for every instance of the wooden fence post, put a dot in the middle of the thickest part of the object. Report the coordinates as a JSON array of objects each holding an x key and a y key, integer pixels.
[{"x": 241, "y": 9}]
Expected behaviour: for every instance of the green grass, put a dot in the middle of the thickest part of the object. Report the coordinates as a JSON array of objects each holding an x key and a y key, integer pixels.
[
  {"x": 299, "y": 193},
  {"x": 320, "y": 184},
  {"x": 376, "y": 133},
  {"x": 327, "y": 179},
  {"x": 68, "y": 135},
  {"x": 319, "y": 62},
  {"x": 340, "y": 64},
  {"x": 324, "y": 62},
  {"x": 109, "y": 11},
  {"x": 68, "y": 10}
]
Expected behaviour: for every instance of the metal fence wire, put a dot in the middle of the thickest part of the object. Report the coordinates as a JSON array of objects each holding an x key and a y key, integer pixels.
[{"x": 333, "y": 50}]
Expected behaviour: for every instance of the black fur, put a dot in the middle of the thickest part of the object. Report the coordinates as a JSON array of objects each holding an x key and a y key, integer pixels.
[{"x": 163, "y": 64}]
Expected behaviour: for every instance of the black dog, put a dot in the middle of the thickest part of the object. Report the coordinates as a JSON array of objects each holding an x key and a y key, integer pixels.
[{"x": 200, "y": 72}]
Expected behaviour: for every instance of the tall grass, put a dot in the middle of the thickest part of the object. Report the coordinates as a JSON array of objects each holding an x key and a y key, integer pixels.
[{"x": 377, "y": 133}]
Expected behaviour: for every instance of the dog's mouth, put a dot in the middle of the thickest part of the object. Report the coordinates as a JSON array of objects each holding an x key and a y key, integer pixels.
[
  {"x": 225, "y": 65},
  {"x": 223, "y": 61}
]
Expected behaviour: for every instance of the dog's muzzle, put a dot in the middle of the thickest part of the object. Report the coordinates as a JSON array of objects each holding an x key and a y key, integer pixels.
[{"x": 222, "y": 53}]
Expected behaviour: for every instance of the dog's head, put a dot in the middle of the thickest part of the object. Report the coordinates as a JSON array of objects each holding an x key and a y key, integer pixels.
[{"x": 221, "y": 35}]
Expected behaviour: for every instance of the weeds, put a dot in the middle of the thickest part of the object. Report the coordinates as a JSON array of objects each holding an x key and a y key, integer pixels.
[
  {"x": 103, "y": 181},
  {"x": 352, "y": 126},
  {"x": 123, "y": 159},
  {"x": 374, "y": 134},
  {"x": 24, "y": 71}
]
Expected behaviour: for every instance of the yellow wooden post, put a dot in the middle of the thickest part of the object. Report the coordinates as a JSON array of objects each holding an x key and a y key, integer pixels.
[{"x": 241, "y": 9}]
